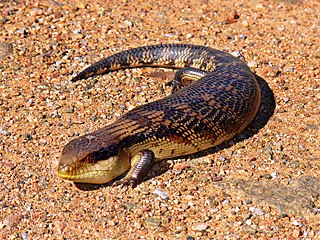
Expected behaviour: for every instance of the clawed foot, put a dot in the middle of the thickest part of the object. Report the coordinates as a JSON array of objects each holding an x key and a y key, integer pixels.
[
  {"x": 176, "y": 85},
  {"x": 130, "y": 182},
  {"x": 141, "y": 163}
]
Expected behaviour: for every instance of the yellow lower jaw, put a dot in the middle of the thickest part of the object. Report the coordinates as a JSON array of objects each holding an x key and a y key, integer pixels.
[{"x": 97, "y": 173}]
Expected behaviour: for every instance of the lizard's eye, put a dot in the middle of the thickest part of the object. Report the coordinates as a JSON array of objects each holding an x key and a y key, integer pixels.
[{"x": 89, "y": 159}]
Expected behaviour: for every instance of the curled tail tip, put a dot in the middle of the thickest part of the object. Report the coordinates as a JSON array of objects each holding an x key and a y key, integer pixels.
[
  {"x": 82, "y": 75},
  {"x": 76, "y": 78}
]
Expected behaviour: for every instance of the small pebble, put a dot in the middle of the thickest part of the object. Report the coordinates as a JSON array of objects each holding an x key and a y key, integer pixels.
[
  {"x": 296, "y": 223},
  {"x": 151, "y": 222},
  {"x": 189, "y": 238},
  {"x": 28, "y": 136},
  {"x": 162, "y": 194},
  {"x": 200, "y": 227},
  {"x": 3, "y": 132},
  {"x": 192, "y": 187},
  {"x": 248, "y": 229},
  {"x": 24, "y": 236},
  {"x": 225, "y": 202},
  {"x": 129, "y": 206},
  {"x": 70, "y": 110},
  {"x": 274, "y": 174},
  {"x": 236, "y": 54},
  {"x": 252, "y": 64},
  {"x": 6, "y": 49},
  {"x": 296, "y": 233},
  {"x": 289, "y": 69},
  {"x": 257, "y": 211}
]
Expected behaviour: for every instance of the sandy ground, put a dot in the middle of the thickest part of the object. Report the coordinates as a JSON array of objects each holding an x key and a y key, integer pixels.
[{"x": 263, "y": 184}]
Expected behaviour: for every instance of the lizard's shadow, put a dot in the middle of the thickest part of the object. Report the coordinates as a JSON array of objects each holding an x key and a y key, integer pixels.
[{"x": 265, "y": 112}]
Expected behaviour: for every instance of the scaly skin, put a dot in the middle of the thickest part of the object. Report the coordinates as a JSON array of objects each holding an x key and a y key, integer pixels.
[{"x": 220, "y": 102}]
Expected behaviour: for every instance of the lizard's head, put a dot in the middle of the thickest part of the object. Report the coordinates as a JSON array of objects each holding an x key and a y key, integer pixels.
[{"x": 87, "y": 159}]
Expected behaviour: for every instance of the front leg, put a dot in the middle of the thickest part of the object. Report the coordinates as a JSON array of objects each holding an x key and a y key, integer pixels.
[{"x": 141, "y": 163}]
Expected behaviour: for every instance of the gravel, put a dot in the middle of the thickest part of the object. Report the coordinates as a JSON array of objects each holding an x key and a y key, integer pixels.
[{"x": 263, "y": 184}]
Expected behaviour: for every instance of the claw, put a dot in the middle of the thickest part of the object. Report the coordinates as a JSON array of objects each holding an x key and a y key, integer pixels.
[{"x": 130, "y": 182}]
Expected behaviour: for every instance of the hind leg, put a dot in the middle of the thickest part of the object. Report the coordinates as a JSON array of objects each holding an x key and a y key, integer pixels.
[{"x": 184, "y": 76}]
